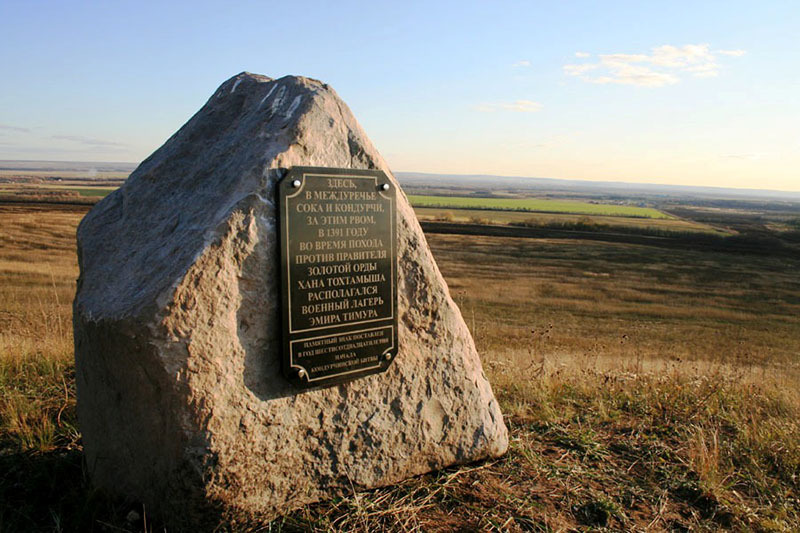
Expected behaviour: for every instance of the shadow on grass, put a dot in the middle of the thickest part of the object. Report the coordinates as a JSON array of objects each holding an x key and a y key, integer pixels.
[{"x": 49, "y": 491}]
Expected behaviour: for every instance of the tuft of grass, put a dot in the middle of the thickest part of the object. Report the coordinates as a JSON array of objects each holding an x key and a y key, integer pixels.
[{"x": 716, "y": 449}]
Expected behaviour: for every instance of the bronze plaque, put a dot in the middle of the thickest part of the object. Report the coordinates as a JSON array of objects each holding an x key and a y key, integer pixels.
[{"x": 338, "y": 231}]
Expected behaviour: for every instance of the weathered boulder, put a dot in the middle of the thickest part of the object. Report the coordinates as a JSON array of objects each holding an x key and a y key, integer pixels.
[{"x": 177, "y": 318}]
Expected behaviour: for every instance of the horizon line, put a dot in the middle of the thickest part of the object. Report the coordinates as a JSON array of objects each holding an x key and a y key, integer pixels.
[{"x": 717, "y": 187}]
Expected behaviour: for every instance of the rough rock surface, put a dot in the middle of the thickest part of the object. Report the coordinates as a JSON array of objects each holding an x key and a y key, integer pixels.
[{"x": 181, "y": 402}]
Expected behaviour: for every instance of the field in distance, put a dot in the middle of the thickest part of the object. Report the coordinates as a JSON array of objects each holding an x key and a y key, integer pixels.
[
  {"x": 533, "y": 219},
  {"x": 536, "y": 204},
  {"x": 644, "y": 388},
  {"x": 60, "y": 181},
  {"x": 50, "y": 189},
  {"x": 82, "y": 189}
]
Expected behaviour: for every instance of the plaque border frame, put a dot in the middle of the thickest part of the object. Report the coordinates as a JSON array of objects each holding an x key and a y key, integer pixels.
[{"x": 291, "y": 370}]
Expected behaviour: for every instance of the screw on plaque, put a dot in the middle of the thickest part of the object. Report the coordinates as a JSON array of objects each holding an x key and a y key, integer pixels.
[
  {"x": 385, "y": 187},
  {"x": 387, "y": 356},
  {"x": 302, "y": 374},
  {"x": 296, "y": 183}
]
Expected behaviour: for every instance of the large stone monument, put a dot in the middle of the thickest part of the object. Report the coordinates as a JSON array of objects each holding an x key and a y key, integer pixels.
[{"x": 182, "y": 401}]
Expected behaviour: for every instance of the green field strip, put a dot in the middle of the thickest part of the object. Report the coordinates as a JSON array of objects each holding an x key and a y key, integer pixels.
[
  {"x": 102, "y": 192},
  {"x": 536, "y": 205}
]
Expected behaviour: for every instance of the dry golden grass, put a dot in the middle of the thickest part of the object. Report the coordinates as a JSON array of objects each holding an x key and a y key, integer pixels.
[
  {"x": 621, "y": 299},
  {"x": 698, "y": 352},
  {"x": 38, "y": 268},
  {"x": 645, "y": 389}
]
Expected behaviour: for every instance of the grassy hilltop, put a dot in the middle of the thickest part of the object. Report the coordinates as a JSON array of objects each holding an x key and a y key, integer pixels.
[{"x": 645, "y": 387}]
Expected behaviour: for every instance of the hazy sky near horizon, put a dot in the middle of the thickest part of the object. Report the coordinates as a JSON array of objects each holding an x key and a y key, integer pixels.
[{"x": 678, "y": 92}]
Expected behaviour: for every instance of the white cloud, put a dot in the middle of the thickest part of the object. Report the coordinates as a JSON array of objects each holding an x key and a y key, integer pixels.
[
  {"x": 583, "y": 55},
  {"x": 734, "y": 53},
  {"x": 523, "y": 106},
  {"x": 661, "y": 67},
  {"x": 518, "y": 106},
  {"x": 577, "y": 70},
  {"x": 636, "y": 75},
  {"x": 621, "y": 59},
  {"x": 522, "y": 63},
  {"x": 681, "y": 56}
]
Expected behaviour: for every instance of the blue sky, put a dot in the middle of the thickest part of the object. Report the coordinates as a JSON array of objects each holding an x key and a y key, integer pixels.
[{"x": 698, "y": 93}]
